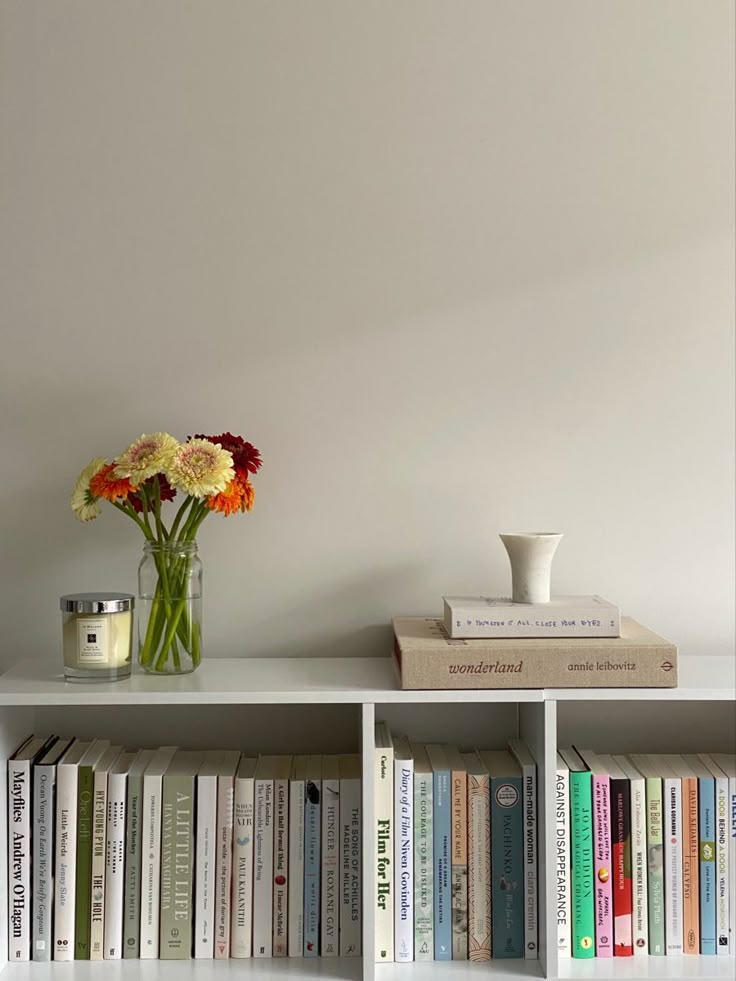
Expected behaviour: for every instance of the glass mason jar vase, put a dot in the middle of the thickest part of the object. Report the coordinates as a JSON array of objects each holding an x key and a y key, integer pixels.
[{"x": 170, "y": 608}]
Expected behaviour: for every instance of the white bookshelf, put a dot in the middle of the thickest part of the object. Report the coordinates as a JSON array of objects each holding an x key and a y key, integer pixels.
[{"x": 328, "y": 705}]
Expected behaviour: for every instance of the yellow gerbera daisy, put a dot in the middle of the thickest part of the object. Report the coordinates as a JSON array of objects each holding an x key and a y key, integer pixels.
[
  {"x": 146, "y": 457},
  {"x": 84, "y": 504},
  {"x": 201, "y": 468}
]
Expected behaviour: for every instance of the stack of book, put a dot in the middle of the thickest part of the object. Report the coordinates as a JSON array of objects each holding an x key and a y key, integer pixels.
[
  {"x": 172, "y": 854},
  {"x": 570, "y": 642},
  {"x": 456, "y": 852},
  {"x": 645, "y": 854}
]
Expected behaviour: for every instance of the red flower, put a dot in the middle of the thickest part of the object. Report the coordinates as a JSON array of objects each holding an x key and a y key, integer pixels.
[
  {"x": 167, "y": 493},
  {"x": 246, "y": 457}
]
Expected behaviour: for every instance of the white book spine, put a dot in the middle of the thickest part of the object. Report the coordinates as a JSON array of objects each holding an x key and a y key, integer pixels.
[
  {"x": 204, "y": 876},
  {"x": 329, "y": 921},
  {"x": 263, "y": 870},
  {"x": 225, "y": 803},
  {"x": 115, "y": 865},
  {"x": 672, "y": 806},
  {"x": 562, "y": 862},
  {"x": 280, "y": 867},
  {"x": 44, "y": 783},
  {"x": 384, "y": 795},
  {"x": 99, "y": 837},
  {"x": 723, "y": 941},
  {"x": 66, "y": 861},
  {"x": 241, "y": 928},
  {"x": 19, "y": 860},
  {"x": 350, "y": 872},
  {"x": 296, "y": 868},
  {"x": 582, "y": 617},
  {"x": 151, "y": 865},
  {"x": 732, "y": 862},
  {"x": 639, "y": 866},
  {"x": 404, "y": 859},
  {"x": 529, "y": 784}
]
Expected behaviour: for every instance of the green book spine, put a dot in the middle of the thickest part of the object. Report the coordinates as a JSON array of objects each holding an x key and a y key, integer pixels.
[
  {"x": 132, "y": 896},
  {"x": 655, "y": 867},
  {"x": 82, "y": 894},
  {"x": 507, "y": 868},
  {"x": 581, "y": 815},
  {"x": 177, "y": 848}
]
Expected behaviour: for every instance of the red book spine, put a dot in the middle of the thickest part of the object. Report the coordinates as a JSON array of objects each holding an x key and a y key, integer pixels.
[{"x": 623, "y": 906}]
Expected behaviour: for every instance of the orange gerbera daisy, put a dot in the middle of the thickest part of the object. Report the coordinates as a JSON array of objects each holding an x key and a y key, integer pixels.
[
  {"x": 106, "y": 485},
  {"x": 239, "y": 495}
]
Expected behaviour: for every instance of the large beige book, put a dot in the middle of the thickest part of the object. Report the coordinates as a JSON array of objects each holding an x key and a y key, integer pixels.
[{"x": 425, "y": 657}]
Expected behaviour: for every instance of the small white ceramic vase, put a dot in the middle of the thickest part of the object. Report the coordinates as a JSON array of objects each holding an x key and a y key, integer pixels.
[{"x": 531, "y": 557}]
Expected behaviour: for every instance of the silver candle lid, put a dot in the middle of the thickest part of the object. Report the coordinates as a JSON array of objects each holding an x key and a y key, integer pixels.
[{"x": 97, "y": 602}]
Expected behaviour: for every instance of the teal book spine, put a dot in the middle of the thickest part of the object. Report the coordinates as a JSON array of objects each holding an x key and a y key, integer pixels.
[
  {"x": 707, "y": 849},
  {"x": 83, "y": 893},
  {"x": 423, "y": 871},
  {"x": 581, "y": 825},
  {"x": 507, "y": 867},
  {"x": 442, "y": 868}
]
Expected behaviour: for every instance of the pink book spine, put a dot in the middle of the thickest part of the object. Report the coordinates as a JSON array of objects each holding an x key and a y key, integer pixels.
[{"x": 602, "y": 866}]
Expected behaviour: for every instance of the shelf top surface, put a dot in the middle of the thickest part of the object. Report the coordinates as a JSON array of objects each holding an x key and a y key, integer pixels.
[
  {"x": 239, "y": 681},
  {"x": 325, "y": 680}
]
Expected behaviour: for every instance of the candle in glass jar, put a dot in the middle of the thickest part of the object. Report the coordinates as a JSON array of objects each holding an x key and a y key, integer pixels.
[{"x": 97, "y": 636}]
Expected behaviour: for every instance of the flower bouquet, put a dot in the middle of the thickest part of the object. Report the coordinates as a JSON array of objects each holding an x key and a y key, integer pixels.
[{"x": 213, "y": 473}]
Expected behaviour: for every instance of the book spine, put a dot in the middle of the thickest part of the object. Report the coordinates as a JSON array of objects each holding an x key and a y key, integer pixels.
[
  {"x": 672, "y": 808},
  {"x": 479, "y": 868},
  {"x": 224, "y": 861},
  {"x": 442, "y": 873},
  {"x": 722, "y": 891},
  {"x": 114, "y": 866},
  {"x": 205, "y": 862},
  {"x": 329, "y": 922},
  {"x": 384, "y": 919},
  {"x": 602, "y": 866},
  {"x": 507, "y": 870},
  {"x": 623, "y": 922},
  {"x": 151, "y": 866},
  {"x": 581, "y": 829},
  {"x": 690, "y": 884},
  {"x": 44, "y": 796},
  {"x": 707, "y": 854},
  {"x": 19, "y": 860},
  {"x": 350, "y": 871},
  {"x": 97, "y": 902},
  {"x": 85, "y": 788},
  {"x": 296, "y": 868},
  {"x": 467, "y": 624},
  {"x": 241, "y": 931},
  {"x": 177, "y": 867},
  {"x": 66, "y": 862},
  {"x": 459, "y": 863},
  {"x": 132, "y": 893},
  {"x": 312, "y": 809},
  {"x": 639, "y": 865},
  {"x": 281, "y": 868},
  {"x": 732, "y": 862},
  {"x": 404, "y": 860},
  {"x": 423, "y": 868},
  {"x": 263, "y": 870},
  {"x": 655, "y": 866},
  {"x": 562, "y": 863},
  {"x": 529, "y": 783},
  {"x": 467, "y": 667}
]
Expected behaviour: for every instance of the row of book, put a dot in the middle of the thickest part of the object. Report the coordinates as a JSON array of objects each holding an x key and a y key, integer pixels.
[
  {"x": 117, "y": 853},
  {"x": 645, "y": 854},
  {"x": 455, "y": 851}
]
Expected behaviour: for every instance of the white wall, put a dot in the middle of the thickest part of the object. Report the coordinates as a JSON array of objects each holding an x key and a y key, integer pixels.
[{"x": 455, "y": 267}]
